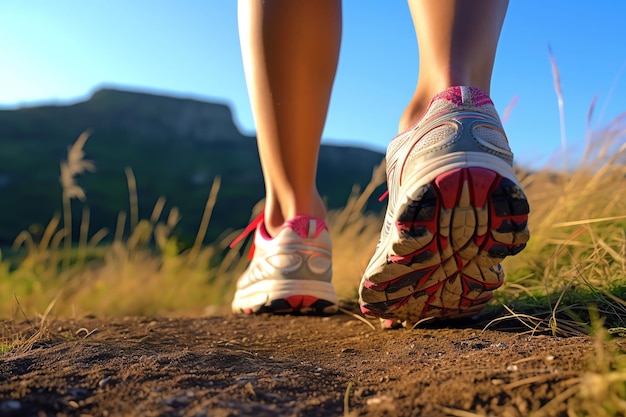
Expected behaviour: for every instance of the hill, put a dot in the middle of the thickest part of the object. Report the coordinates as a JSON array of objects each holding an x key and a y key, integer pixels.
[{"x": 175, "y": 147}]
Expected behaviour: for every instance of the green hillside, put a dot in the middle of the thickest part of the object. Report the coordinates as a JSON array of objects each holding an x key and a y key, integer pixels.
[{"x": 175, "y": 147}]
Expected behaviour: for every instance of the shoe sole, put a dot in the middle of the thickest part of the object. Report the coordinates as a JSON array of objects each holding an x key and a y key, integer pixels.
[
  {"x": 304, "y": 297},
  {"x": 452, "y": 234}
]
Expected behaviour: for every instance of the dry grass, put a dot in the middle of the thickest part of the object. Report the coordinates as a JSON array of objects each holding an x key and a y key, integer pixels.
[
  {"x": 141, "y": 272},
  {"x": 577, "y": 253},
  {"x": 576, "y": 256},
  {"x": 23, "y": 341}
]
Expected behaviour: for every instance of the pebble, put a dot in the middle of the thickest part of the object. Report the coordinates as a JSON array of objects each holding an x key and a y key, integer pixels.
[
  {"x": 10, "y": 406},
  {"x": 104, "y": 382},
  {"x": 379, "y": 400}
]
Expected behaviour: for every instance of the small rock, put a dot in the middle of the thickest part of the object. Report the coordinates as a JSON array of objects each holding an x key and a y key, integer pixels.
[
  {"x": 10, "y": 406},
  {"x": 78, "y": 393},
  {"x": 250, "y": 389},
  {"x": 104, "y": 382},
  {"x": 379, "y": 400}
]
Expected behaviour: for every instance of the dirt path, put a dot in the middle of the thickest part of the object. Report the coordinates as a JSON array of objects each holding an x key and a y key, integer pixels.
[{"x": 281, "y": 366}]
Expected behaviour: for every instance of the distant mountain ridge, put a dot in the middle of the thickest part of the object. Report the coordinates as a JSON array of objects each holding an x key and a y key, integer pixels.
[
  {"x": 175, "y": 146},
  {"x": 154, "y": 116},
  {"x": 162, "y": 117}
]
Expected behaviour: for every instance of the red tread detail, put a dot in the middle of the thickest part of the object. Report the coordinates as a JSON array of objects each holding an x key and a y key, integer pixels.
[
  {"x": 443, "y": 243},
  {"x": 294, "y": 301},
  {"x": 482, "y": 180},
  {"x": 299, "y": 301},
  {"x": 449, "y": 184},
  {"x": 308, "y": 300},
  {"x": 479, "y": 240}
]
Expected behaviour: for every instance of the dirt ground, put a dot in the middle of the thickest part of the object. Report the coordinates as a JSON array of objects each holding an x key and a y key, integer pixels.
[{"x": 283, "y": 366}]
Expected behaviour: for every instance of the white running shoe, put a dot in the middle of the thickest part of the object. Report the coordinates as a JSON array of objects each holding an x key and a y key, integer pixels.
[
  {"x": 289, "y": 273},
  {"x": 455, "y": 211}
]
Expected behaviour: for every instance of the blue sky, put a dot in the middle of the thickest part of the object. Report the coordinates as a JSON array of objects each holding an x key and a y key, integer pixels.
[{"x": 58, "y": 52}]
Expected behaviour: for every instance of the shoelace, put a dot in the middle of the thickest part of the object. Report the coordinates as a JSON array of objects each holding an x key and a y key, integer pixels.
[
  {"x": 383, "y": 196},
  {"x": 249, "y": 229}
]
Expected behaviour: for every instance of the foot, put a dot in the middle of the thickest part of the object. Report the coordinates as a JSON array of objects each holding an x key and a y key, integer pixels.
[
  {"x": 289, "y": 273},
  {"x": 455, "y": 211}
]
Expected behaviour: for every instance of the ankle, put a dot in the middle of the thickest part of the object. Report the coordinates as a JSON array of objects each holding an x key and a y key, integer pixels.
[
  {"x": 272, "y": 223},
  {"x": 411, "y": 116},
  {"x": 420, "y": 102},
  {"x": 416, "y": 109},
  {"x": 275, "y": 217}
]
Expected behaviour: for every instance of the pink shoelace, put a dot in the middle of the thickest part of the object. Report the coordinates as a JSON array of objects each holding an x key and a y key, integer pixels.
[
  {"x": 383, "y": 196},
  {"x": 249, "y": 229}
]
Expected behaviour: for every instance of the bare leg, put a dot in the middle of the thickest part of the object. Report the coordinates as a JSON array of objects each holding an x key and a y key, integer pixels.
[
  {"x": 457, "y": 42},
  {"x": 290, "y": 52}
]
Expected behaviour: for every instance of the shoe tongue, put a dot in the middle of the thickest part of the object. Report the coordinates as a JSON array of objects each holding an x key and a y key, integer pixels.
[
  {"x": 464, "y": 96},
  {"x": 306, "y": 227}
]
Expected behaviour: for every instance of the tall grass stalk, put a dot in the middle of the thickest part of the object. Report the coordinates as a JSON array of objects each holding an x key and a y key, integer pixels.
[
  {"x": 206, "y": 216},
  {"x": 132, "y": 197},
  {"x": 73, "y": 166},
  {"x": 559, "y": 95}
]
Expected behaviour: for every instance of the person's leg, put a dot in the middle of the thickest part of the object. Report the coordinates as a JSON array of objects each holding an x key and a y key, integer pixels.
[
  {"x": 290, "y": 51},
  {"x": 455, "y": 208},
  {"x": 457, "y": 42}
]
